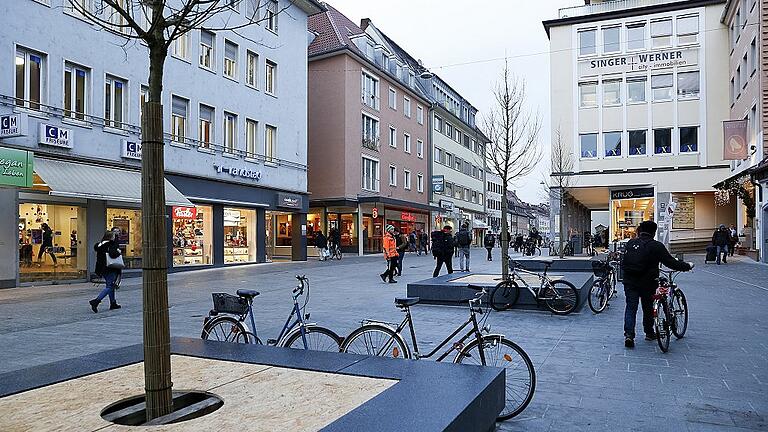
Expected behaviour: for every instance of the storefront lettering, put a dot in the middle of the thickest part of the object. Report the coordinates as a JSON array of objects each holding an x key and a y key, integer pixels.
[
  {"x": 13, "y": 125},
  {"x": 291, "y": 201},
  {"x": 239, "y": 172},
  {"x": 16, "y": 167},
  {"x": 632, "y": 193},
  {"x": 184, "y": 212},
  {"x": 55, "y": 136},
  {"x": 410, "y": 217},
  {"x": 131, "y": 149},
  {"x": 638, "y": 62}
]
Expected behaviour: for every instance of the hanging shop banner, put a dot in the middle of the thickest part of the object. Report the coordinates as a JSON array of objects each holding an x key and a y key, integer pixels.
[
  {"x": 55, "y": 136},
  {"x": 438, "y": 183},
  {"x": 735, "y": 140},
  {"x": 130, "y": 149},
  {"x": 16, "y": 167},
  {"x": 184, "y": 212},
  {"x": 13, "y": 125}
]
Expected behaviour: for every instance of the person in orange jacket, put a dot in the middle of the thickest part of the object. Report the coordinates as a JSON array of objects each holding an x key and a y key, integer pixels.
[{"x": 390, "y": 254}]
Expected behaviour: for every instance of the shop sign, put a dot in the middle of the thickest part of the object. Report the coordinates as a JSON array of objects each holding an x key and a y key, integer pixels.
[
  {"x": 238, "y": 172},
  {"x": 446, "y": 205},
  {"x": 13, "y": 125},
  {"x": 290, "y": 201},
  {"x": 639, "y": 62},
  {"x": 406, "y": 216},
  {"x": 375, "y": 212},
  {"x": 438, "y": 183},
  {"x": 735, "y": 140},
  {"x": 184, "y": 212},
  {"x": 231, "y": 217},
  {"x": 55, "y": 136},
  {"x": 16, "y": 167},
  {"x": 632, "y": 193},
  {"x": 130, "y": 149}
]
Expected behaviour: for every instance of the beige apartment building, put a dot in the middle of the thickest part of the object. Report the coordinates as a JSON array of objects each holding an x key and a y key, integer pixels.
[
  {"x": 368, "y": 130},
  {"x": 637, "y": 92}
]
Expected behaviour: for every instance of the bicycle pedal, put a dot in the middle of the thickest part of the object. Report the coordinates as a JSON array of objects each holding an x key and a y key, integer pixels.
[{"x": 271, "y": 341}]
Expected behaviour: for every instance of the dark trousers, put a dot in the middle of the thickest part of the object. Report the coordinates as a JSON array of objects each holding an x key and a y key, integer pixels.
[
  {"x": 391, "y": 268},
  {"x": 490, "y": 257},
  {"x": 634, "y": 296},
  {"x": 46, "y": 250},
  {"x": 447, "y": 259},
  {"x": 400, "y": 263}
]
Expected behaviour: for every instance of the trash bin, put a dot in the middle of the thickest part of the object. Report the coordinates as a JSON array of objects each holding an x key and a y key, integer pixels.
[{"x": 577, "y": 244}]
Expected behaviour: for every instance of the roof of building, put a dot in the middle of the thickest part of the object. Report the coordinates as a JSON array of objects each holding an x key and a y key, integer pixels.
[{"x": 334, "y": 31}]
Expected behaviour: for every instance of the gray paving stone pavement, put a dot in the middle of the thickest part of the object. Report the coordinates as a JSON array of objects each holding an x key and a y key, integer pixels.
[{"x": 714, "y": 379}]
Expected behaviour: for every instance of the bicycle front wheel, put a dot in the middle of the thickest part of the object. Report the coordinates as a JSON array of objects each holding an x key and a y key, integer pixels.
[
  {"x": 504, "y": 295},
  {"x": 520, "y": 375},
  {"x": 376, "y": 340},
  {"x": 598, "y": 295},
  {"x": 318, "y": 339},
  {"x": 561, "y": 297},
  {"x": 661, "y": 324},
  {"x": 225, "y": 329},
  {"x": 680, "y": 314}
]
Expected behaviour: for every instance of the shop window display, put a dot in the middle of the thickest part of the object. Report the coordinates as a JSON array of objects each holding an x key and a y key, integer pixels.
[
  {"x": 314, "y": 224},
  {"x": 284, "y": 230},
  {"x": 128, "y": 224},
  {"x": 192, "y": 236},
  {"x": 347, "y": 225},
  {"x": 239, "y": 235}
]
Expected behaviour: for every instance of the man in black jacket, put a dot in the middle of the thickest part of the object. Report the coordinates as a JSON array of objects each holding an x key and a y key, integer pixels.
[
  {"x": 442, "y": 249},
  {"x": 641, "y": 271},
  {"x": 490, "y": 241},
  {"x": 721, "y": 239}
]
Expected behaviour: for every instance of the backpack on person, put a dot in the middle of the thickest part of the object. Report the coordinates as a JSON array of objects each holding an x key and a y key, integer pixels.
[
  {"x": 463, "y": 239},
  {"x": 437, "y": 237},
  {"x": 636, "y": 258}
]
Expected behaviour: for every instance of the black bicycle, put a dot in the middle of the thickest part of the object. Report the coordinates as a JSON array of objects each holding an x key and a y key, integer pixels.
[
  {"x": 334, "y": 250},
  {"x": 558, "y": 295},
  {"x": 385, "y": 340},
  {"x": 604, "y": 286}
]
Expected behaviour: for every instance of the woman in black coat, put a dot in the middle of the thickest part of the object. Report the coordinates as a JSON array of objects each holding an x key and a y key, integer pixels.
[{"x": 107, "y": 245}]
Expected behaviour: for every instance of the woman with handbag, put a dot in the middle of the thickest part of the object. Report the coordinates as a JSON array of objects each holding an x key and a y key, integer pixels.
[{"x": 109, "y": 265}]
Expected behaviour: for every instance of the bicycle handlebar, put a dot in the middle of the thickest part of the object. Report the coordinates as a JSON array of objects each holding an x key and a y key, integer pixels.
[{"x": 301, "y": 279}]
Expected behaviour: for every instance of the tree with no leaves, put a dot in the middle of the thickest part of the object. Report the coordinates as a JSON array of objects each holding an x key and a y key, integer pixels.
[
  {"x": 513, "y": 151},
  {"x": 560, "y": 179},
  {"x": 158, "y": 23}
]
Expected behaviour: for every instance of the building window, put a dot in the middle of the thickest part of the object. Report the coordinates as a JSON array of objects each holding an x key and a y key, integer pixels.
[
  {"x": 76, "y": 81},
  {"x": 611, "y": 40},
  {"x": 406, "y": 179},
  {"x": 230, "y": 59},
  {"x": 636, "y": 89},
  {"x": 438, "y": 124},
  {"x": 448, "y": 159},
  {"x": 661, "y": 86},
  {"x": 420, "y": 149},
  {"x": 457, "y": 135},
  {"x": 737, "y": 82},
  {"x": 392, "y": 98},
  {"x": 588, "y": 145},
  {"x": 370, "y": 90},
  {"x": 143, "y": 98},
  {"x": 662, "y": 141},
  {"x": 420, "y": 183},
  {"x": 207, "y": 54},
  {"x": 448, "y": 189},
  {"x": 612, "y": 141},
  {"x": 688, "y": 84},
  {"x": 406, "y": 107},
  {"x": 689, "y": 139},
  {"x": 230, "y": 132},
  {"x": 179, "y": 108},
  {"x": 612, "y": 92},
  {"x": 270, "y": 143},
  {"x": 180, "y": 47},
  {"x": 392, "y": 175},
  {"x": 458, "y": 164},
  {"x": 467, "y": 145},
  {"x": 420, "y": 112},
  {"x": 745, "y": 70},
  {"x": 270, "y": 82},
  {"x": 114, "y": 102},
  {"x": 587, "y": 42},
  {"x": 406, "y": 143},
  {"x": 448, "y": 130},
  {"x": 392, "y": 137},
  {"x": 687, "y": 29},
  {"x": 753, "y": 55},
  {"x": 251, "y": 137},
  {"x": 251, "y": 68},
  {"x": 272, "y": 15},
  {"x": 636, "y": 36},
  {"x": 637, "y": 142},
  {"x": 207, "y": 115},
  {"x": 370, "y": 129},
  {"x": 588, "y": 95},
  {"x": 370, "y": 174},
  {"x": 661, "y": 33},
  {"x": 30, "y": 74},
  {"x": 439, "y": 156}
]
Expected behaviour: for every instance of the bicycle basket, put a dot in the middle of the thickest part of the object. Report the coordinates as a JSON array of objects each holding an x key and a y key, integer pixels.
[
  {"x": 600, "y": 268},
  {"x": 230, "y": 304}
]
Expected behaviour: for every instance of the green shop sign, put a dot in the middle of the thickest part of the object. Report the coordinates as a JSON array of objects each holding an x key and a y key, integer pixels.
[{"x": 15, "y": 167}]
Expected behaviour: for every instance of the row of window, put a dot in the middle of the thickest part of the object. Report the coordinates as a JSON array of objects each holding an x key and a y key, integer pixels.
[
  {"x": 207, "y": 120},
  {"x": 370, "y": 96},
  {"x": 454, "y": 133},
  {"x": 637, "y": 34},
  {"x": 370, "y": 176},
  {"x": 406, "y": 179},
  {"x": 493, "y": 204},
  {"x": 406, "y": 142},
  {"x": 740, "y": 20},
  {"x": 662, "y": 88},
  {"x": 493, "y": 187},
  {"x": 747, "y": 68},
  {"x": 613, "y": 143},
  {"x": 463, "y": 166},
  {"x": 459, "y": 192}
]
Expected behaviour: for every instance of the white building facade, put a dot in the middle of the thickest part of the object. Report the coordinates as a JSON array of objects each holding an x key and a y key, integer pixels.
[{"x": 493, "y": 195}]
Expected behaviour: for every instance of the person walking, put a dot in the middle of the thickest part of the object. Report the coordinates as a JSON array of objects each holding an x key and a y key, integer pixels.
[
  {"x": 425, "y": 242},
  {"x": 641, "y": 271},
  {"x": 402, "y": 246},
  {"x": 518, "y": 242},
  {"x": 321, "y": 242},
  {"x": 721, "y": 239},
  {"x": 734, "y": 240},
  {"x": 46, "y": 247},
  {"x": 107, "y": 245},
  {"x": 412, "y": 241},
  {"x": 442, "y": 249},
  {"x": 464, "y": 242},
  {"x": 489, "y": 242},
  {"x": 390, "y": 254}
]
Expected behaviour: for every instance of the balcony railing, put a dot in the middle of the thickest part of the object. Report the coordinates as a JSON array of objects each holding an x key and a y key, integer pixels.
[
  {"x": 609, "y": 6},
  {"x": 371, "y": 143}
]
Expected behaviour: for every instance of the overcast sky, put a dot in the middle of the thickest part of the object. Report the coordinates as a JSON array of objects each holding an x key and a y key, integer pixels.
[{"x": 465, "y": 43}]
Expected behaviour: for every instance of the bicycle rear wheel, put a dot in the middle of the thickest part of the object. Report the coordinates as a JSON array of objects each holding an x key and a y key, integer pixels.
[
  {"x": 561, "y": 297},
  {"x": 505, "y": 295},
  {"x": 318, "y": 339},
  {"x": 598, "y": 295},
  {"x": 520, "y": 375},
  {"x": 225, "y": 329},
  {"x": 680, "y": 313},
  {"x": 661, "y": 324},
  {"x": 376, "y": 340}
]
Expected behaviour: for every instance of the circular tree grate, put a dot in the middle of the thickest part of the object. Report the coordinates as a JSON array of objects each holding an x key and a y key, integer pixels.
[{"x": 187, "y": 405}]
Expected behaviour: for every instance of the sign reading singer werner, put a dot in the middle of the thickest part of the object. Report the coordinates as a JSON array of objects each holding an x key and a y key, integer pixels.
[{"x": 638, "y": 62}]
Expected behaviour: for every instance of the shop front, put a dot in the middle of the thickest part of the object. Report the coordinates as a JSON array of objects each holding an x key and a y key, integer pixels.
[
  {"x": 629, "y": 207},
  {"x": 329, "y": 220}
]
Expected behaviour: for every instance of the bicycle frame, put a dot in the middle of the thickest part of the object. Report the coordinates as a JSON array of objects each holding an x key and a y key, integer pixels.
[
  {"x": 534, "y": 291},
  {"x": 289, "y": 325}
]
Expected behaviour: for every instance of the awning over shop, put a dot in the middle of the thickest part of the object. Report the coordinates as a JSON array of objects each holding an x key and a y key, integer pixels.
[
  {"x": 79, "y": 180},
  {"x": 480, "y": 224}
]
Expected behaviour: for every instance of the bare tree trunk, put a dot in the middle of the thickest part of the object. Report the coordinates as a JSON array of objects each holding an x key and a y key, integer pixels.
[
  {"x": 157, "y": 333},
  {"x": 562, "y": 221},
  {"x": 504, "y": 233}
]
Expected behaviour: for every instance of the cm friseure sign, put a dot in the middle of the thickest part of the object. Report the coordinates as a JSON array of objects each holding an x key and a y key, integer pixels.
[{"x": 638, "y": 62}]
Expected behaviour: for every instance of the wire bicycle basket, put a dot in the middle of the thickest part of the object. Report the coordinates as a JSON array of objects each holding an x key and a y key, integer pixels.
[
  {"x": 600, "y": 268},
  {"x": 229, "y": 304}
]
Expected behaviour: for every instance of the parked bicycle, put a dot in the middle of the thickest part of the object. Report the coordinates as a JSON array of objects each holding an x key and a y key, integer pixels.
[
  {"x": 559, "y": 296},
  {"x": 670, "y": 309},
  {"x": 482, "y": 348},
  {"x": 604, "y": 286},
  {"x": 531, "y": 249},
  {"x": 554, "y": 249},
  {"x": 226, "y": 322}
]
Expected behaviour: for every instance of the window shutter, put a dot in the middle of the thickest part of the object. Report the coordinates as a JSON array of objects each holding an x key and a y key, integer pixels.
[
  {"x": 230, "y": 51},
  {"x": 206, "y": 38},
  {"x": 179, "y": 107},
  {"x": 206, "y": 113}
]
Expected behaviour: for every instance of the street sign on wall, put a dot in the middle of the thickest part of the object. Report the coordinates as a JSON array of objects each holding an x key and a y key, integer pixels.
[{"x": 16, "y": 167}]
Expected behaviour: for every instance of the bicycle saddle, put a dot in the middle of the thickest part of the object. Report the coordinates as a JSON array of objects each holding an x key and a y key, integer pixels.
[
  {"x": 406, "y": 301},
  {"x": 548, "y": 262},
  {"x": 247, "y": 293}
]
